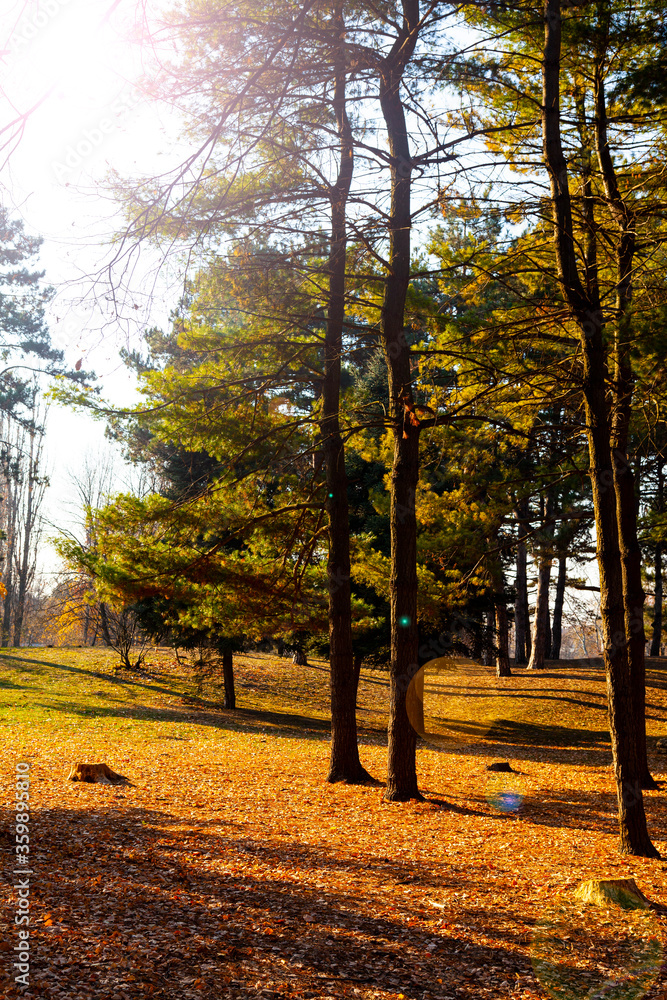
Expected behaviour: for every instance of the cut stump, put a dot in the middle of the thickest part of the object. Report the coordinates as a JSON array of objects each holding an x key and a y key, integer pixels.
[
  {"x": 621, "y": 891},
  {"x": 505, "y": 767},
  {"x": 99, "y": 773}
]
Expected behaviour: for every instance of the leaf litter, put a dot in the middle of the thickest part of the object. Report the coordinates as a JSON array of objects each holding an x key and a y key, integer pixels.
[{"x": 231, "y": 868}]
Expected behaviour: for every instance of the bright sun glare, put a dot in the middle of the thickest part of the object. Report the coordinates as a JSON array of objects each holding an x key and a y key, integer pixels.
[
  {"x": 59, "y": 52},
  {"x": 71, "y": 49}
]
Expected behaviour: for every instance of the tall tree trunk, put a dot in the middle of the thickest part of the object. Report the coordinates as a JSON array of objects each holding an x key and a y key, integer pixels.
[
  {"x": 86, "y": 626},
  {"x": 10, "y": 526},
  {"x": 401, "y": 763},
  {"x": 478, "y": 643},
  {"x": 344, "y": 762},
  {"x": 586, "y": 307},
  {"x": 521, "y": 617},
  {"x": 538, "y": 651},
  {"x": 557, "y": 630},
  {"x": 228, "y": 678},
  {"x": 488, "y": 629},
  {"x": 634, "y": 598},
  {"x": 104, "y": 624},
  {"x": 623, "y": 388},
  {"x": 502, "y": 636},
  {"x": 7, "y": 604},
  {"x": 656, "y": 633},
  {"x": 547, "y": 625},
  {"x": 540, "y": 645},
  {"x": 24, "y": 556}
]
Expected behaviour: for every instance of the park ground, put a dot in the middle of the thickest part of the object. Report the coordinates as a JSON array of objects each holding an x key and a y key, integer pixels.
[{"x": 230, "y": 868}]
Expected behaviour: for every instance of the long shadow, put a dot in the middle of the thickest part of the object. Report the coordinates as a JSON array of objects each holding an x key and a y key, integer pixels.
[
  {"x": 247, "y": 720},
  {"x": 10, "y": 686},
  {"x": 120, "y": 681},
  {"x": 195, "y": 710},
  {"x": 519, "y": 753},
  {"x": 511, "y": 731},
  {"x": 246, "y": 913}
]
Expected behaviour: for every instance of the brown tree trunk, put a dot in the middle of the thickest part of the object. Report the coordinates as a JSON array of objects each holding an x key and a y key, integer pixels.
[
  {"x": 623, "y": 388},
  {"x": 502, "y": 637},
  {"x": 7, "y": 606},
  {"x": 344, "y": 762},
  {"x": 547, "y": 627},
  {"x": 228, "y": 678},
  {"x": 585, "y": 305},
  {"x": 401, "y": 763},
  {"x": 478, "y": 644},
  {"x": 24, "y": 566},
  {"x": 634, "y": 598},
  {"x": 521, "y": 616},
  {"x": 540, "y": 645},
  {"x": 557, "y": 629},
  {"x": 10, "y": 506},
  {"x": 656, "y": 633},
  {"x": 538, "y": 651},
  {"x": 488, "y": 636},
  {"x": 104, "y": 624}
]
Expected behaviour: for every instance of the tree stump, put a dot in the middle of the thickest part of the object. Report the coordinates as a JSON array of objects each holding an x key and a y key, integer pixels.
[
  {"x": 505, "y": 767},
  {"x": 300, "y": 658},
  {"x": 621, "y": 891},
  {"x": 95, "y": 773}
]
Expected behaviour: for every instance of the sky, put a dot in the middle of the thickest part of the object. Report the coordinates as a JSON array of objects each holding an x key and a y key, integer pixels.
[{"x": 69, "y": 67}]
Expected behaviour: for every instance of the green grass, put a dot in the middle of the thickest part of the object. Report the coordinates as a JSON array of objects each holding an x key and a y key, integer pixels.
[{"x": 81, "y": 688}]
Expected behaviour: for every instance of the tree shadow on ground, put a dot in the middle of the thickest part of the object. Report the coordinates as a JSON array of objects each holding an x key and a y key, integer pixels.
[
  {"x": 570, "y": 752},
  {"x": 133, "y": 679},
  {"x": 245, "y": 915},
  {"x": 571, "y": 809},
  {"x": 546, "y": 734},
  {"x": 244, "y": 720}
]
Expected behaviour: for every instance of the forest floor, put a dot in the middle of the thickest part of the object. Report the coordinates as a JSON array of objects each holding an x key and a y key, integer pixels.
[{"x": 230, "y": 868}]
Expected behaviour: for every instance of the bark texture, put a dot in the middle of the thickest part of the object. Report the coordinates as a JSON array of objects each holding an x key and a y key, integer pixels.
[
  {"x": 344, "y": 762},
  {"x": 228, "y": 678},
  {"x": 401, "y": 765},
  {"x": 623, "y": 388},
  {"x": 585, "y": 305},
  {"x": 656, "y": 631},
  {"x": 521, "y": 615},
  {"x": 538, "y": 652},
  {"x": 557, "y": 627},
  {"x": 540, "y": 645},
  {"x": 502, "y": 637}
]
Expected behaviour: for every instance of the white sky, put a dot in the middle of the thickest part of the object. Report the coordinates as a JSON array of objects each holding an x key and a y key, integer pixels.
[{"x": 71, "y": 59}]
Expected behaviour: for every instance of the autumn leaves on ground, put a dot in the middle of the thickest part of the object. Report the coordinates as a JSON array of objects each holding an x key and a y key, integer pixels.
[{"x": 230, "y": 868}]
